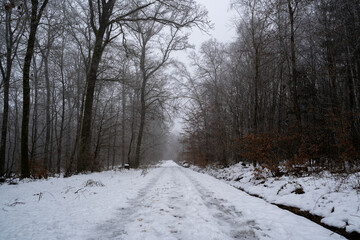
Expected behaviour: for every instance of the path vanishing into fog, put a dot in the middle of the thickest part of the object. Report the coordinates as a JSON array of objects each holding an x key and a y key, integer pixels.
[{"x": 178, "y": 203}]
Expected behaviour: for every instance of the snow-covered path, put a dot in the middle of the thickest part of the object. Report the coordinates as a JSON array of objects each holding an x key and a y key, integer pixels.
[
  {"x": 173, "y": 205},
  {"x": 178, "y": 203},
  {"x": 169, "y": 202}
]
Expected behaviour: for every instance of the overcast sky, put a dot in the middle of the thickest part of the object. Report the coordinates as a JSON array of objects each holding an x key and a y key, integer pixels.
[{"x": 221, "y": 16}]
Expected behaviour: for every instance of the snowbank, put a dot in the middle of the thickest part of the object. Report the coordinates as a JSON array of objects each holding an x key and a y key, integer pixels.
[{"x": 333, "y": 197}]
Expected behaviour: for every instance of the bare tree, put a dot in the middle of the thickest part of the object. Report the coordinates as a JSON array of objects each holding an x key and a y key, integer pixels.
[
  {"x": 14, "y": 27},
  {"x": 103, "y": 31},
  {"x": 35, "y": 16},
  {"x": 151, "y": 35},
  {"x": 102, "y": 23},
  {"x": 289, "y": 88}
]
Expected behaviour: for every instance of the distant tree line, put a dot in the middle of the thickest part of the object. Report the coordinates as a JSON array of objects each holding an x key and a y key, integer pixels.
[
  {"x": 286, "y": 93},
  {"x": 84, "y": 83}
]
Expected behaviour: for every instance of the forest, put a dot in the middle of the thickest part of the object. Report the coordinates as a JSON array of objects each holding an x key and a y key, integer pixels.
[
  {"x": 88, "y": 85},
  {"x": 84, "y": 83},
  {"x": 284, "y": 95}
]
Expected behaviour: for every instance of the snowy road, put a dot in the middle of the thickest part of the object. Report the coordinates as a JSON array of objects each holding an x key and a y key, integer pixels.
[
  {"x": 177, "y": 203},
  {"x": 169, "y": 202}
]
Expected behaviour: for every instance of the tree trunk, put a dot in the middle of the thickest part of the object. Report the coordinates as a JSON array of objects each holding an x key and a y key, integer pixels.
[
  {"x": 293, "y": 68},
  {"x": 256, "y": 83},
  {"x": 85, "y": 138},
  {"x": 144, "y": 77},
  {"x": 12, "y": 38},
  {"x": 6, "y": 80},
  {"x": 132, "y": 130},
  {"x": 141, "y": 127},
  {"x": 123, "y": 126},
  {"x": 59, "y": 147},
  {"x": 114, "y": 146},
  {"x": 5, "y": 120},
  {"x": 47, "y": 107},
  {"x": 35, "y": 19},
  {"x": 34, "y": 131}
]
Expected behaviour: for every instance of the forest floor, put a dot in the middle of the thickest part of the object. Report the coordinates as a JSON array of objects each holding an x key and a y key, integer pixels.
[
  {"x": 164, "y": 202},
  {"x": 333, "y": 199}
]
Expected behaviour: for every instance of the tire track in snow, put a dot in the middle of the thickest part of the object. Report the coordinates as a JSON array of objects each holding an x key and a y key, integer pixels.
[
  {"x": 227, "y": 216},
  {"x": 115, "y": 228},
  {"x": 174, "y": 205}
]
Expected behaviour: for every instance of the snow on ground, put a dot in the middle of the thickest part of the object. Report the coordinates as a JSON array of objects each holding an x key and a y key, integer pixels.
[
  {"x": 335, "y": 198},
  {"x": 167, "y": 163},
  {"x": 166, "y": 202},
  {"x": 64, "y": 208}
]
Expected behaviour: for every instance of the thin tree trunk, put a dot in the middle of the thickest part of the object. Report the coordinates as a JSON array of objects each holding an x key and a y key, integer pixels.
[
  {"x": 80, "y": 107},
  {"x": 140, "y": 133},
  {"x": 294, "y": 68},
  {"x": 256, "y": 95},
  {"x": 34, "y": 131},
  {"x": 114, "y": 146},
  {"x": 12, "y": 41},
  {"x": 47, "y": 107},
  {"x": 132, "y": 131},
  {"x": 95, "y": 164},
  {"x": 59, "y": 148},
  {"x": 123, "y": 126}
]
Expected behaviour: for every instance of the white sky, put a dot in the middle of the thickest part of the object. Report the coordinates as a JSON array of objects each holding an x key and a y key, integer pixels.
[{"x": 221, "y": 16}]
